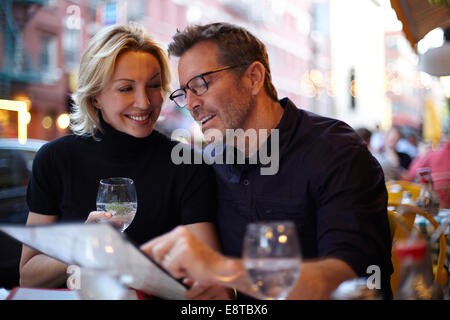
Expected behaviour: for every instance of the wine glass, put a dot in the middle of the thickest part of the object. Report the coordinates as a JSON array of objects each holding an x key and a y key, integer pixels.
[
  {"x": 118, "y": 196},
  {"x": 104, "y": 265},
  {"x": 272, "y": 258}
]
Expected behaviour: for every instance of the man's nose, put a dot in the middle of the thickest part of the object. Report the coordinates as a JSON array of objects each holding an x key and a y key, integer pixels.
[{"x": 192, "y": 101}]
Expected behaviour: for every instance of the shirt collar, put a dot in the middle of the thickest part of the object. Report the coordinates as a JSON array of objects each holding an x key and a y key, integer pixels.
[{"x": 288, "y": 124}]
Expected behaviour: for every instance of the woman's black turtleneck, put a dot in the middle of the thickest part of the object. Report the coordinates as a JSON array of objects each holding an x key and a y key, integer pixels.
[{"x": 67, "y": 170}]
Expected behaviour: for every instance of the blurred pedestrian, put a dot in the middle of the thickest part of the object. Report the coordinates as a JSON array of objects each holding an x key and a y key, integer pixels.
[
  {"x": 366, "y": 135},
  {"x": 395, "y": 164},
  {"x": 409, "y": 145},
  {"x": 123, "y": 79},
  {"x": 377, "y": 139},
  {"x": 439, "y": 162}
]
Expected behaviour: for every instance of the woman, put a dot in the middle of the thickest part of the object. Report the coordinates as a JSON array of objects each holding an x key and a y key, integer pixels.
[{"x": 124, "y": 76}]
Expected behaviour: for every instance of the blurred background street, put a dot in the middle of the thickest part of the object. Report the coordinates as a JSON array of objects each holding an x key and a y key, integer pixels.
[{"x": 347, "y": 59}]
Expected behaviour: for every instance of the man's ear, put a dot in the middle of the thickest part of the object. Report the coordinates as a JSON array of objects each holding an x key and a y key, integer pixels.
[{"x": 256, "y": 73}]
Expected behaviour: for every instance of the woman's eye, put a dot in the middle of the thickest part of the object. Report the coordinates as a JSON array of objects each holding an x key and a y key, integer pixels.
[
  {"x": 153, "y": 86},
  {"x": 125, "y": 89}
]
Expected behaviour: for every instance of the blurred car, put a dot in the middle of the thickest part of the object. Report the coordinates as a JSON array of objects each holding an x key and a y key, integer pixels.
[{"x": 16, "y": 161}]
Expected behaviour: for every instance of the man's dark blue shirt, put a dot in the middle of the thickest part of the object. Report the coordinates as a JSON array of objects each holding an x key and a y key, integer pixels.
[{"x": 328, "y": 183}]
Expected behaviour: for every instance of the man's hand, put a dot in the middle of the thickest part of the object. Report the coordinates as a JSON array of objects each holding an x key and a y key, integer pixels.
[
  {"x": 185, "y": 256},
  {"x": 319, "y": 278},
  {"x": 200, "y": 292}
]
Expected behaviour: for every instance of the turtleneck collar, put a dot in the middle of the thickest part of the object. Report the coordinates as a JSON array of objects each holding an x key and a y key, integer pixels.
[{"x": 117, "y": 143}]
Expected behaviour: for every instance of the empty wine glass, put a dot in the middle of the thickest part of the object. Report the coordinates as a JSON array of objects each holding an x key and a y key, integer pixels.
[
  {"x": 118, "y": 196},
  {"x": 272, "y": 258}
]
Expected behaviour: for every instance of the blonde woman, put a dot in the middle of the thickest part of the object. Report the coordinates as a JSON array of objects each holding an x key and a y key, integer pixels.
[{"x": 123, "y": 79}]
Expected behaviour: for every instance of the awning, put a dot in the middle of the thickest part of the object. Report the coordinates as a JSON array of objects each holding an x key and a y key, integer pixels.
[{"x": 420, "y": 17}]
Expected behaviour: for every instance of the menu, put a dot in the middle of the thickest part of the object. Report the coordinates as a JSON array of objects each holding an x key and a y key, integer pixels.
[{"x": 101, "y": 247}]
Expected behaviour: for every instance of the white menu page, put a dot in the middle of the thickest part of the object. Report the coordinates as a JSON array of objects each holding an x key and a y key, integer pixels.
[{"x": 60, "y": 242}]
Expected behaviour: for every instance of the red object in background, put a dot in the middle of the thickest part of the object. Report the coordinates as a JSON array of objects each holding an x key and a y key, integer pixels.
[
  {"x": 438, "y": 161},
  {"x": 415, "y": 250}
]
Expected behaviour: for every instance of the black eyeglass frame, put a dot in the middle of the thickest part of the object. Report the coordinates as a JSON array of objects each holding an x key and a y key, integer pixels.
[{"x": 201, "y": 75}]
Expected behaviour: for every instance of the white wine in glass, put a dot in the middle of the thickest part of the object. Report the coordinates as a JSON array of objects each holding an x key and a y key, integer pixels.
[
  {"x": 272, "y": 257},
  {"x": 118, "y": 196}
]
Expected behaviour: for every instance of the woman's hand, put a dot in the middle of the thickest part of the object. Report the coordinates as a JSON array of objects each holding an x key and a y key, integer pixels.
[{"x": 98, "y": 216}]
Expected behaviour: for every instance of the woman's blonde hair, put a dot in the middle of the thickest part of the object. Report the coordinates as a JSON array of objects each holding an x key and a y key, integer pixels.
[{"x": 97, "y": 66}]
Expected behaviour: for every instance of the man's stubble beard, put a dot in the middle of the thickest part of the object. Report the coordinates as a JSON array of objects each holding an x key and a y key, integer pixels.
[{"x": 238, "y": 109}]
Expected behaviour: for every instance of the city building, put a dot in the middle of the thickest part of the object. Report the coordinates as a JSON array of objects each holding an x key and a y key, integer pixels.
[
  {"x": 41, "y": 46},
  {"x": 358, "y": 62},
  {"x": 335, "y": 58},
  {"x": 42, "y": 41},
  {"x": 404, "y": 89}
]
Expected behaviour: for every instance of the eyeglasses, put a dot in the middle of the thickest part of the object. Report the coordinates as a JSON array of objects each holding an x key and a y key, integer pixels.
[{"x": 198, "y": 86}]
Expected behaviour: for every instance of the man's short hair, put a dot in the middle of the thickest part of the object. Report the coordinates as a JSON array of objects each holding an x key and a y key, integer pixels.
[{"x": 237, "y": 46}]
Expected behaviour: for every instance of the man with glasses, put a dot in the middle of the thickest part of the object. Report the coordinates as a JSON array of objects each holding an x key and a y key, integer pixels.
[{"x": 327, "y": 182}]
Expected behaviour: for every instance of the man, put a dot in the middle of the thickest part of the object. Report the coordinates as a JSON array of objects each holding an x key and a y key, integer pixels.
[{"x": 327, "y": 181}]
